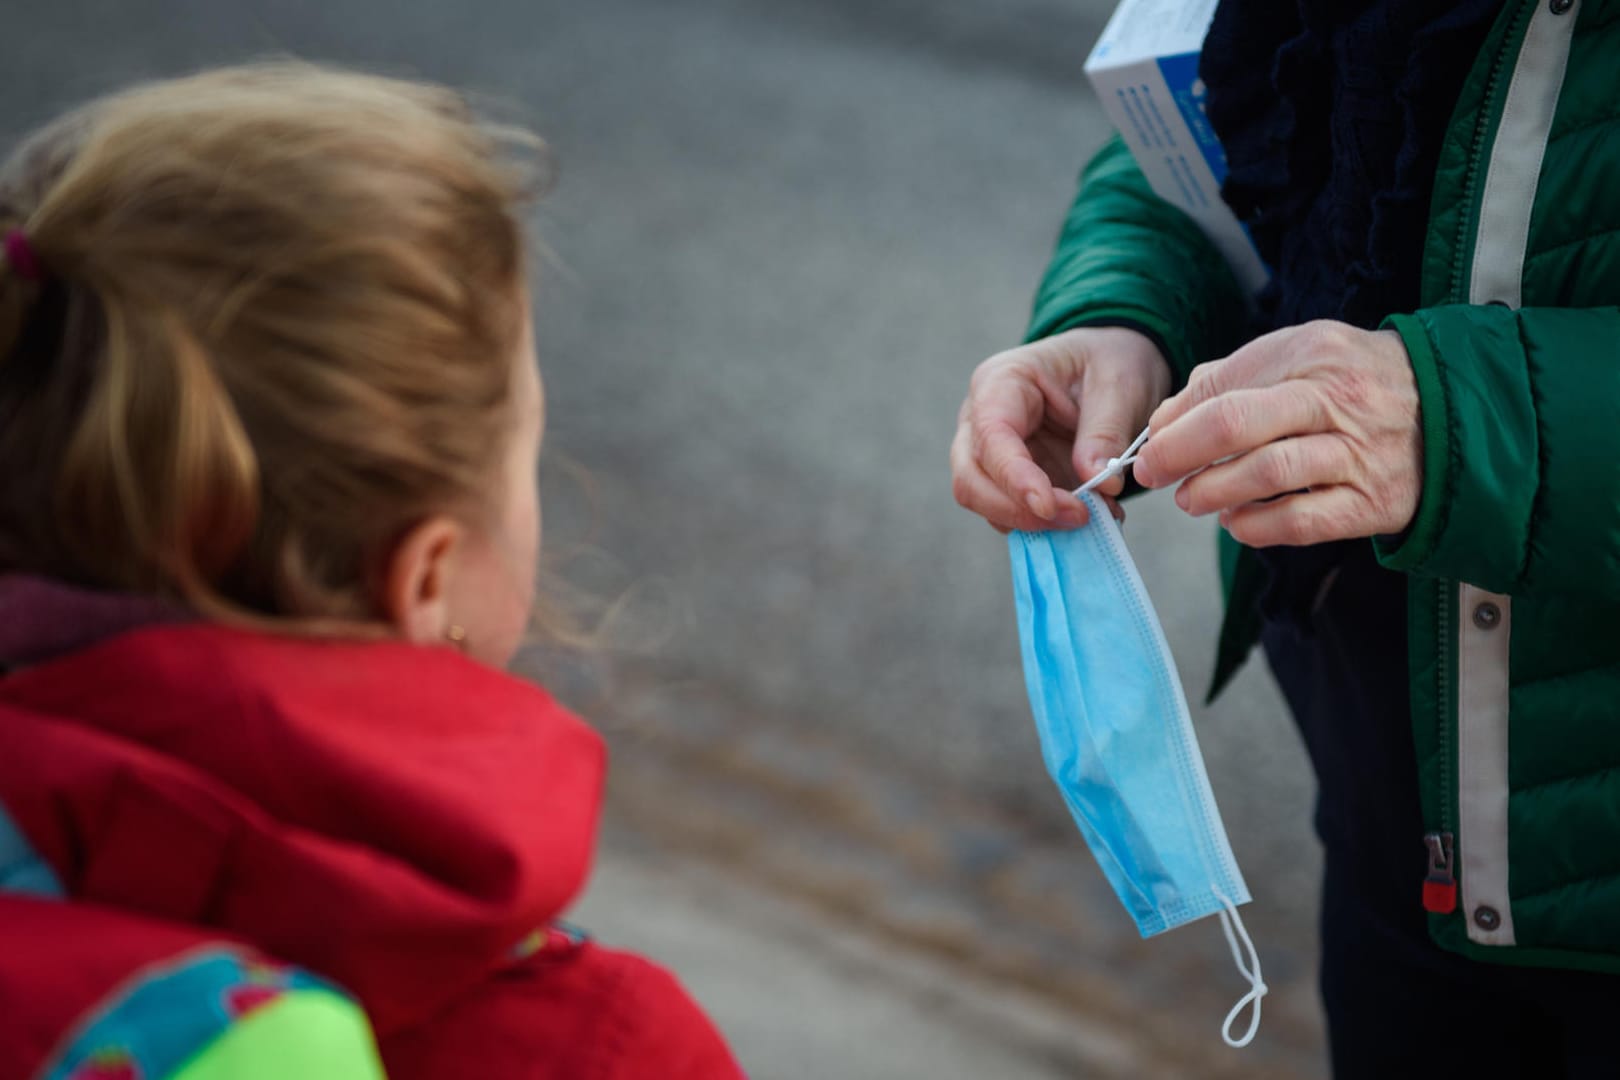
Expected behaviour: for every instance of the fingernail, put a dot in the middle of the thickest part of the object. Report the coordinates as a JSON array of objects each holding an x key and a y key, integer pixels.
[
  {"x": 1182, "y": 498},
  {"x": 1037, "y": 507}
]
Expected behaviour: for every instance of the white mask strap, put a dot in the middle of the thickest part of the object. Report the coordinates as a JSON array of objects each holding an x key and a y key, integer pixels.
[
  {"x": 1232, "y": 924},
  {"x": 1116, "y": 465}
]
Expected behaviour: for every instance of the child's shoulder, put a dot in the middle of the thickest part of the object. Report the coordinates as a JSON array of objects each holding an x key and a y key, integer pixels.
[{"x": 96, "y": 993}]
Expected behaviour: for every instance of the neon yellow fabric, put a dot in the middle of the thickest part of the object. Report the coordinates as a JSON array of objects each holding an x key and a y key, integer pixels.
[{"x": 308, "y": 1034}]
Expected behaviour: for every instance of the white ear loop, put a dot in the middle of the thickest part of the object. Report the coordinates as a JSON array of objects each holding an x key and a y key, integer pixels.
[
  {"x": 1245, "y": 957},
  {"x": 1116, "y": 465},
  {"x": 1232, "y": 924}
]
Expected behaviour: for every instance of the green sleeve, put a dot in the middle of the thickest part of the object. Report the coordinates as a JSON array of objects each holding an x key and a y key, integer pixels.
[
  {"x": 308, "y": 1034},
  {"x": 1127, "y": 257},
  {"x": 1521, "y": 434}
]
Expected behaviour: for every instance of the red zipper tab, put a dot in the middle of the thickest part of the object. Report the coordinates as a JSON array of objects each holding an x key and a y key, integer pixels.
[{"x": 1440, "y": 887}]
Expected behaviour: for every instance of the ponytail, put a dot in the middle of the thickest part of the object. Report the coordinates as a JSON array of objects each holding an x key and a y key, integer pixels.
[{"x": 272, "y": 327}]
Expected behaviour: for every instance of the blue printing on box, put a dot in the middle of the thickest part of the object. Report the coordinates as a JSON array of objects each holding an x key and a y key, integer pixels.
[{"x": 1187, "y": 91}]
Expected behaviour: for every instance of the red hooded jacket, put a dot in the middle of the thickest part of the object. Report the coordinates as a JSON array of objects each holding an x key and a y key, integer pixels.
[{"x": 399, "y": 821}]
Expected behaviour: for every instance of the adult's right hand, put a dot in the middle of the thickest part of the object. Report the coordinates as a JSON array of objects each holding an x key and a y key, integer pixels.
[{"x": 1041, "y": 419}]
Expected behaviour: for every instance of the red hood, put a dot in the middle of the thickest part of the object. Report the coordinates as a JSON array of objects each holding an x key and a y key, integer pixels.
[{"x": 394, "y": 818}]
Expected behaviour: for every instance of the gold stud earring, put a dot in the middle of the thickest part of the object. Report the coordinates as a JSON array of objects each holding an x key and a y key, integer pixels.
[{"x": 457, "y": 636}]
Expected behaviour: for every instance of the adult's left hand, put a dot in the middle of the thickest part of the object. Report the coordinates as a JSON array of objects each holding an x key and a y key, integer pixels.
[{"x": 1306, "y": 435}]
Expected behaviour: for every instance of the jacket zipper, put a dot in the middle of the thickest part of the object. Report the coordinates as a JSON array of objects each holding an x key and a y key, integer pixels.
[
  {"x": 1440, "y": 885},
  {"x": 1468, "y": 224}
]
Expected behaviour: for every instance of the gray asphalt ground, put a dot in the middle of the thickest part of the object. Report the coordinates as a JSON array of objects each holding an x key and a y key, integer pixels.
[{"x": 782, "y": 235}]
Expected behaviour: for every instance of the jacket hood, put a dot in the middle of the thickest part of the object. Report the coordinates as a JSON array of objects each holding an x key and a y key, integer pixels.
[{"x": 394, "y": 818}]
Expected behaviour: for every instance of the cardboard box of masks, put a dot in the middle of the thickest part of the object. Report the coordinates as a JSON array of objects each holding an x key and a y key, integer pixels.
[{"x": 1145, "y": 70}]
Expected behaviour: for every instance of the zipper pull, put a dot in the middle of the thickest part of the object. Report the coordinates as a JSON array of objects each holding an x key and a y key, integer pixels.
[{"x": 1440, "y": 887}]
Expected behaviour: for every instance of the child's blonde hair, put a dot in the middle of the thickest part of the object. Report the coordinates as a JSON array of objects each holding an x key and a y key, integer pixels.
[{"x": 273, "y": 328}]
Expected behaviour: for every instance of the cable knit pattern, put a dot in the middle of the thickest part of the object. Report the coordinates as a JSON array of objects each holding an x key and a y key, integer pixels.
[{"x": 1332, "y": 115}]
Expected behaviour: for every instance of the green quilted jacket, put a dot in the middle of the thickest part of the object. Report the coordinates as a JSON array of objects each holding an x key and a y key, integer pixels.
[{"x": 1514, "y": 555}]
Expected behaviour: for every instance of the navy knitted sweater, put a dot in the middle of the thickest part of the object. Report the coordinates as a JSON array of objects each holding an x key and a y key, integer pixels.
[{"x": 1331, "y": 113}]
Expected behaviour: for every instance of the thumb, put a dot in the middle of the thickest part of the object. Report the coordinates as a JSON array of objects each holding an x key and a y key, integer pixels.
[{"x": 1108, "y": 423}]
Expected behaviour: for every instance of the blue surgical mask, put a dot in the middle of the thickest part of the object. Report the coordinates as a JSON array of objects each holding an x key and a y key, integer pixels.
[{"x": 1117, "y": 736}]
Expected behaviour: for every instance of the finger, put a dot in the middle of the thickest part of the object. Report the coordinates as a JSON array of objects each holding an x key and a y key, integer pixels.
[
  {"x": 1236, "y": 422},
  {"x": 977, "y": 492},
  {"x": 1316, "y": 517},
  {"x": 1004, "y": 457},
  {"x": 1206, "y": 381},
  {"x": 1111, "y": 410},
  {"x": 1005, "y": 515},
  {"x": 1259, "y": 363},
  {"x": 1309, "y": 461},
  {"x": 1003, "y": 410},
  {"x": 1070, "y": 511},
  {"x": 982, "y": 496}
]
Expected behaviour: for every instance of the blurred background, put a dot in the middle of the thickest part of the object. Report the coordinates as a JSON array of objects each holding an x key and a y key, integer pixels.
[{"x": 782, "y": 234}]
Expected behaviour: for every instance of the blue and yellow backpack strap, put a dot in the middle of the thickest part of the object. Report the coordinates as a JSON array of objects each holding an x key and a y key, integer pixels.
[
  {"x": 218, "y": 1012},
  {"x": 206, "y": 1012}
]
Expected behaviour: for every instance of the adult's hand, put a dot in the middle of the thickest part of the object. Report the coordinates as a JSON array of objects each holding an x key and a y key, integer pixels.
[
  {"x": 1041, "y": 419},
  {"x": 1305, "y": 435}
]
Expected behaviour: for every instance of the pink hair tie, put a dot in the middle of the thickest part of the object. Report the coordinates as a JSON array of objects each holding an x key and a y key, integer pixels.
[{"x": 20, "y": 254}]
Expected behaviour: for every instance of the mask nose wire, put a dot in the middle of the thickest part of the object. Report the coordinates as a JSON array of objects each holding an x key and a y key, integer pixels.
[
  {"x": 1248, "y": 966},
  {"x": 1116, "y": 465}
]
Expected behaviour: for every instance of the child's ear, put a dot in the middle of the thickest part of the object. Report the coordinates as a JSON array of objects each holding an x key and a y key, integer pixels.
[{"x": 417, "y": 577}]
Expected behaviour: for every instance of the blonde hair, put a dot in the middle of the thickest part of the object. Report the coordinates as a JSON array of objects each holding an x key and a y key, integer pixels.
[{"x": 274, "y": 329}]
